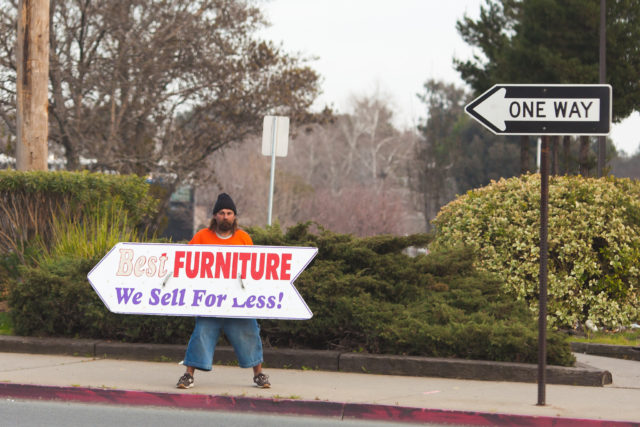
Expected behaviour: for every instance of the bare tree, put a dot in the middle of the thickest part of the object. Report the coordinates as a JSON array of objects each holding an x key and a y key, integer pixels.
[
  {"x": 157, "y": 86},
  {"x": 349, "y": 175},
  {"x": 378, "y": 147},
  {"x": 362, "y": 147},
  {"x": 360, "y": 210}
]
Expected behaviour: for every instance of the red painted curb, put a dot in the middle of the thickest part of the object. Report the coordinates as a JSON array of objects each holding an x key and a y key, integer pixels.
[
  {"x": 443, "y": 416},
  {"x": 179, "y": 400},
  {"x": 360, "y": 411}
]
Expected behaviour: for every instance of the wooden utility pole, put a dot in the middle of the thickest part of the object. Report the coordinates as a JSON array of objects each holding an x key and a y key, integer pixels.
[{"x": 32, "y": 84}]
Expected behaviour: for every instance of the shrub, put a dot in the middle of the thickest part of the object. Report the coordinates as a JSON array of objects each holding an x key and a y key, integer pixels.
[
  {"x": 30, "y": 200},
  {"x": 53, "y": 297},
  {"x": 367, "y": 295},
  {"x": 34, "y": 204},
  {"x": 594, "y": 243}
]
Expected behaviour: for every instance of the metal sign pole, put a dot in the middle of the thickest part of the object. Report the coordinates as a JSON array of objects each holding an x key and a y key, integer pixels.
[
  {"x": 508, "y": 109},
  {"x": 274, "y": 132},
  {"x": 275, "y": 140},
  {"x": 544, "y": 222},
  {"x": 602, "y": 140}
]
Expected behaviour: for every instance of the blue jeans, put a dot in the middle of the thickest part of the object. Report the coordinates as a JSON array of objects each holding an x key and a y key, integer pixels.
[{"x": 243, "y": 334}]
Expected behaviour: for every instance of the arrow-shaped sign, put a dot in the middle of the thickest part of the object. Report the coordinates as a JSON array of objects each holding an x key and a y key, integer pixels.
[
  {"x": 544, "y": 109},
  {"x": 203, "y": 280}
]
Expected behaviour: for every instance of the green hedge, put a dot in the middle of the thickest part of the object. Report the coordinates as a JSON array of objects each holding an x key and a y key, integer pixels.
[
  {"x": 89, "y": 213},
  {"x": 366, "y": 295},
  {"x": 594, "y": 243},
  {"x": 55, "y": 299},
  {"x": 39, "y": 208},
  {"x": 29, "y": 201}
]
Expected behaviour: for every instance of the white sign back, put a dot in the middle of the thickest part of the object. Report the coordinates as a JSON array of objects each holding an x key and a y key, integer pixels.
[
  {"x": 203, "y": 280},
  {"x": 281, "y": 134}
]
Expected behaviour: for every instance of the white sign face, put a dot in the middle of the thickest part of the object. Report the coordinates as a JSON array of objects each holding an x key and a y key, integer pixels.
[
  {"x": 497, "y": 109},
  {"x": 544, "y": 109},
  {"x": 281, "y": 126},
  {"x": 203, "y": 280}
]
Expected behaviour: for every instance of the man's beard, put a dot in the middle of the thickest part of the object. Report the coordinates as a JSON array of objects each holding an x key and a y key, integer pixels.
[{"x": 225, "y": 226}]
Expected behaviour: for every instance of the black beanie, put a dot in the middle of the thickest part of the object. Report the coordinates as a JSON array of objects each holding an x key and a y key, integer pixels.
[{"x": 224, "y": 202}]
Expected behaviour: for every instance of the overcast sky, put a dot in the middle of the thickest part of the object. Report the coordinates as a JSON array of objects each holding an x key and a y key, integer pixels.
[{"x": 364, "y": 46}]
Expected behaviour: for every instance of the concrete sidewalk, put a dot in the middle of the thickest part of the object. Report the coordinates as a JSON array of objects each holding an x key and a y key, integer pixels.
[
  {"x": 340, "y": 395},
  {"x": 321, "y": 360}
]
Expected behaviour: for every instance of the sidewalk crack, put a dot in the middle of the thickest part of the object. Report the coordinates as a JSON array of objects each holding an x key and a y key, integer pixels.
[{"x": 28, "y": 368}]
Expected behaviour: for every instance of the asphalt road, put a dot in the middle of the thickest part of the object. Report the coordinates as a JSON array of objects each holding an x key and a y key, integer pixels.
[{"x": 33, "y": 413}]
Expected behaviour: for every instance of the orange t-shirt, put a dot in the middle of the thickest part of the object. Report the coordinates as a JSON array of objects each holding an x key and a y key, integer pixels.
[{"x": 208, "y": 237}]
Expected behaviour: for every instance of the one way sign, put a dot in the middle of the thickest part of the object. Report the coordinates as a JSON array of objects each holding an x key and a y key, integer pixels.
[{"x": 544, "y": 109}]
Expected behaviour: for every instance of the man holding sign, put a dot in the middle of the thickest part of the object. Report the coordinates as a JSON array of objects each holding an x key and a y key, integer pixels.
[{"x": 243, "y": 334}]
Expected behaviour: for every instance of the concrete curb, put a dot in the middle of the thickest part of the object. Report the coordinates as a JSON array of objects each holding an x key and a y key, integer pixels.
[
  {"x": 337, "y": 410},
  {"x": 472, "y": 369},
  {"x": 318, "y": 360},
  {"x": 607, "y": 350}
]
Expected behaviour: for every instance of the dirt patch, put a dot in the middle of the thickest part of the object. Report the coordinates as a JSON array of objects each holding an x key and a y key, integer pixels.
[{"x": 4, "y": 306}]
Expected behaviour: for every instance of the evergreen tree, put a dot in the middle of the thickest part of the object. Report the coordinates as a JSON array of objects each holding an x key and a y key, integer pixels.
[
  {"x": 548, "y": 41},
  {"x": 454, "y": 153}
]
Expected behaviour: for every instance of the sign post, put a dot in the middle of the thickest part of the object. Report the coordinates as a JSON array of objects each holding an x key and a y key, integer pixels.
[
  {"x": 275, "y": 140},
  {"x": 544, "y": 269},
  {"x": 545, "y": 110},
  {"x": 203, "y": 280}
]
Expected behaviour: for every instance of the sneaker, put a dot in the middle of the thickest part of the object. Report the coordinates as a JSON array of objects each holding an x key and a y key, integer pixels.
[
  {"x": 262, "y": 380},
  {"x": 185, "y": 381}
]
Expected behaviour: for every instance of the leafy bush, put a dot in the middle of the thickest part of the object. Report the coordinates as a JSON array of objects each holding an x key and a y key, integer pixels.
[
  {"x": 33, "y": 205},
  {"x": 594, "y": 243},
  {"x": 29, "y": 201},
  {"x": 53, "y": 297},
  {"x": 367, "y": 295},
  {"x": 90, "y": 239}
]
